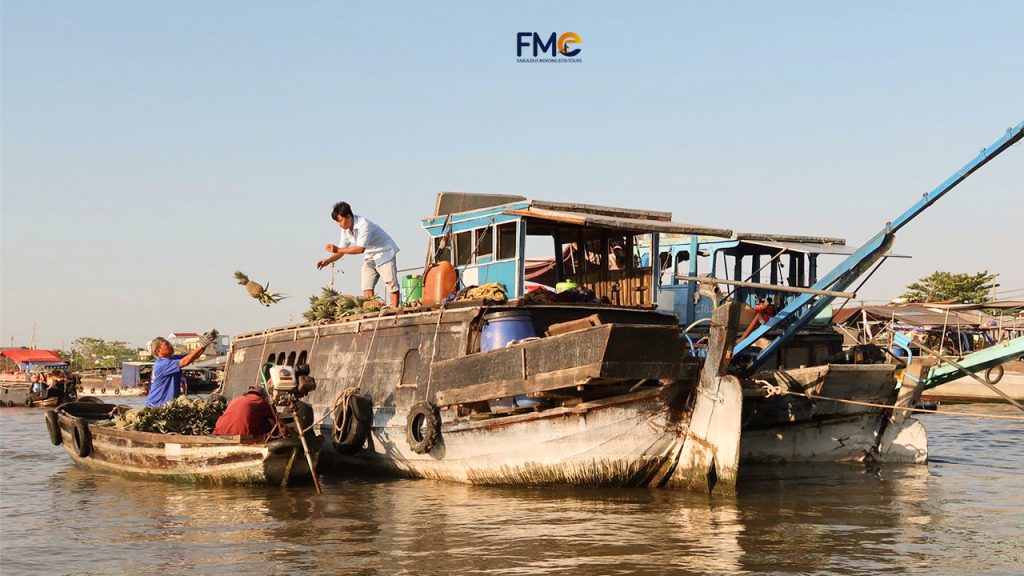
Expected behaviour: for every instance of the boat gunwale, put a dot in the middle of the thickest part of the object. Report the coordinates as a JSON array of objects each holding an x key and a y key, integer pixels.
[{"x": 423, "y": 311}]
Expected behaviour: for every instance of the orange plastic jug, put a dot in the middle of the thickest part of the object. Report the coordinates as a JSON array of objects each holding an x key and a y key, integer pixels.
[{"x": 440, "y": 282}]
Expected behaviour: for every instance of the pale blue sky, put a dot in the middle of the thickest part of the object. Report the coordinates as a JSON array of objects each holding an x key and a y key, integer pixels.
[{"x": 149, "y": 149}]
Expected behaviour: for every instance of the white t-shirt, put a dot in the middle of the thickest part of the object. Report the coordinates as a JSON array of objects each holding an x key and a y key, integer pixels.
[{"x": 376, "y": 243}]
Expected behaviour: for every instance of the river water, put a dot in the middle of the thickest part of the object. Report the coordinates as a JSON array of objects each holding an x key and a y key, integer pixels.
[{"x": 961, "y": 514}]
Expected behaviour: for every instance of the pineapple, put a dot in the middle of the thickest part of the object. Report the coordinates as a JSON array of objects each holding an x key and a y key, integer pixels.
[{"x": 261, "y": 293}]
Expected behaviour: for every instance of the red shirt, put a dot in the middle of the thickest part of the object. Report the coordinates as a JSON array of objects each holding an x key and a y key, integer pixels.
[{"x": 245, "y": 415}]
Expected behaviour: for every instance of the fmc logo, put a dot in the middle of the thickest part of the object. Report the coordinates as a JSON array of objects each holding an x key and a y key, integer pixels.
[{"x": 563, "y": 46}]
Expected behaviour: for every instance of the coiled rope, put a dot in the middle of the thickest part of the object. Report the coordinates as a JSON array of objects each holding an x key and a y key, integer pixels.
[{"x": 347, "y": 393}]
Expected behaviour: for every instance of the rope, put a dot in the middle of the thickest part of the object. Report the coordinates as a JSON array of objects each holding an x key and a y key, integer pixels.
[
  {"x": 342, "y": 400},
  {"x": 433, "y": 351},
  {"x": 259, "y": 377},
  {"x": 345, "y": 394},
  {"x": 366, "y": 357},
  {"x": 771, "y": 390}
]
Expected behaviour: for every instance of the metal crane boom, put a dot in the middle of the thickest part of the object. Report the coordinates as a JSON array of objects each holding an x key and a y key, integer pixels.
[{"x": 801, "y": 310}]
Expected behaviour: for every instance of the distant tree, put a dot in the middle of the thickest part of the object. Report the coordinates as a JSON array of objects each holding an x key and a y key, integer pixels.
[
  {"x": 96, "y": 352},
  {"x": 947, "y": 286}
]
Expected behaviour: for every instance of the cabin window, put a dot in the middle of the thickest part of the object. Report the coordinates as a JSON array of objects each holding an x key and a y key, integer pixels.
[
  {"x": 682, "y": 264},
  {"x": 280, "y": 359},
  {"x": 442, "y": 249},
  {"x": 463, "y": 248},
  {"x": 641, "y": 247},
  {"x": 593, "y": 255},
  {"x": 302, "y": 358},
  {"x": 291, "y": 359},
  {"x": 270, "y": 359},
  {"x": 483, "y": 239},
  {"x": 619, "y": 253},
  {"x": 570, "y": 260},
  {"x": 508, "y": 241}
]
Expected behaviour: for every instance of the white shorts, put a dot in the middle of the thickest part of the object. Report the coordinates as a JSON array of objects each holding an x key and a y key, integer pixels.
[{"x": 386, "y": 270}]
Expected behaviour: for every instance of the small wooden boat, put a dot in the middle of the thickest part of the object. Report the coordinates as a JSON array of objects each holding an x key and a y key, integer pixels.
[
  {"x": 19, "y": 394},
  {"x": 78, "y": 426}
]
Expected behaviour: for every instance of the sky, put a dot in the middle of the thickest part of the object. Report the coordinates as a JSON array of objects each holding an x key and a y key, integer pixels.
[{"x": 150, "y": 149}]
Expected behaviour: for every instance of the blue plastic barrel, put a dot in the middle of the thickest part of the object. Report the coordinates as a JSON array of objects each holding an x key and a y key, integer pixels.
[
  {"x": 499, "y": 329},
  {"x": 503, "y": 327}
]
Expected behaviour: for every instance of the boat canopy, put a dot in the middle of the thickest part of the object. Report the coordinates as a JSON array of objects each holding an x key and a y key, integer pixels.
[
  {"x": 29, "y": 359},
  {"x": 812, "y": 248},
  {"x": 594, "y": 220},
  {"x": 487, "y": 237}
]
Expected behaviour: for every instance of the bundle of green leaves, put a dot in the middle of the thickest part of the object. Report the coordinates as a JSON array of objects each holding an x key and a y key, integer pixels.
[
  {"x": 189, "y": 416},
  {"x": 331, "y": 304}
]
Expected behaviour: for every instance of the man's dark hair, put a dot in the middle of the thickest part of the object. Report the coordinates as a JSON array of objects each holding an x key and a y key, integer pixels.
[{"x": 341, "y": 210}]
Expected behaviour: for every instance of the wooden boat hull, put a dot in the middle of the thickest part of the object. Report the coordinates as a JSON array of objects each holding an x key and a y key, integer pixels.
[
  {"x": 616, "y": 442},
  {"x": 17, "y": 395},
  {"x": 199, "y": 459},
  {"x": 969, "y": 390},
  {"x": 616, "y": 399},
  {"x": 788, "y": 428}
]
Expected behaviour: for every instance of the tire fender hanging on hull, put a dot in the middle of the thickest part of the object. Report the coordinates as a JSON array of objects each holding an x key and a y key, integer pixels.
[{"x": 423, "y": 427}]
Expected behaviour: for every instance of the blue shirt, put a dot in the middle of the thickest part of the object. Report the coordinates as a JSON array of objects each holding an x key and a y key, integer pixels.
[{"x": 166, "y": 384}]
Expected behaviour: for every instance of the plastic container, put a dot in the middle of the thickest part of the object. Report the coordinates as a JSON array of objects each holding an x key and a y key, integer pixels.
[
  {"x": 499, "y": 329},
  {"x": 503, "y": 327},
  {"x": 565, "y": 285},
  {"x": 412, "y": 287},
  {"x": 440, "y": 282}
]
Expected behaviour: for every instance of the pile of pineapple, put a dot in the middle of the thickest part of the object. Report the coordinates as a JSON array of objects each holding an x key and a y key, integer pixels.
[
  {"x": 331, "y": 304},
  {"x": 189, "y": 416}
]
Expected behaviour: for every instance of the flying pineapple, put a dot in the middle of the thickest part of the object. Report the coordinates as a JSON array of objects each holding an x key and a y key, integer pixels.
[{"x": 258, "y": 292}]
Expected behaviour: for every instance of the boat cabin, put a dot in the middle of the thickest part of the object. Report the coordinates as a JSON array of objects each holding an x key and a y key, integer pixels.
[
  {"x": 765, "y": 259},
  {"x": 524, "y": 244}
]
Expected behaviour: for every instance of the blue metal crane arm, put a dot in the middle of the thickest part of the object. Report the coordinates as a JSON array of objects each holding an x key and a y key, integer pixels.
[{"x": 794, "y": 316}]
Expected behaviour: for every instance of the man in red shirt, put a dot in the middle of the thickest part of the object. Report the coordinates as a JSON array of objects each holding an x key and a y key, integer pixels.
[{"x": 248, "y": 415}]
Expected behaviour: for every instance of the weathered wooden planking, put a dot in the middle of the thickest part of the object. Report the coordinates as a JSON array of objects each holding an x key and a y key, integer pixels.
[
  {"x": 512, "y": 387},
  {"x": 607, "y": 352}
]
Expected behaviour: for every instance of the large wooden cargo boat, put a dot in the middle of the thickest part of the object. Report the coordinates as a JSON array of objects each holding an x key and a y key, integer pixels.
[{"x": 601, "y": 392}]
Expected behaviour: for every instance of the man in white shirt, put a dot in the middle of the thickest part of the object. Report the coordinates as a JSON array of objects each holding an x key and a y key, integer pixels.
[{"x": 360, "y": 236}]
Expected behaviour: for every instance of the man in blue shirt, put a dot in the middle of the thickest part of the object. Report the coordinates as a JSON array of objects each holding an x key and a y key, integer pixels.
[{"x": 166, "y": 383}]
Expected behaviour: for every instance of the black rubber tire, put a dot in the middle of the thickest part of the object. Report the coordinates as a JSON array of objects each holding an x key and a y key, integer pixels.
[
  {"x": 117, "y": 391},
  {"x": 358, "y": 416},
  {"x": 994, "y": 374},
  {"x": 423, "y": 427},
  {"x": 53, "y": 427},
  {"x": 83, "y": 438},
  {"x": 28, "y": 402}
]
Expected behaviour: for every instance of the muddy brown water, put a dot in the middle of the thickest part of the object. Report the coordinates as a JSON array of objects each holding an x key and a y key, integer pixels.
[{"x": 961, "y": 514}]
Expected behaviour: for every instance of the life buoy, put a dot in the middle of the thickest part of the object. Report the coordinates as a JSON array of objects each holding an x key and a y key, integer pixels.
[
  {"x": 53, "y": 427},
  {"x": 423, "y": 427},
  {"x": 994, "y": 374},
  {"x": 82, "y": 437},
  {"x": 352, "y": 423}
]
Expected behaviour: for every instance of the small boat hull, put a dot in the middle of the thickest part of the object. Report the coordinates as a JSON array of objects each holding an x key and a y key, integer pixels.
[
  {"x": 790, "y": 428},
  {"x": 19, "y": 395},
  {"x": 198, "y": 459}
]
